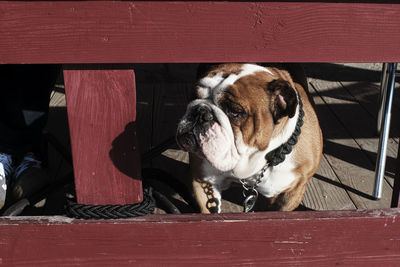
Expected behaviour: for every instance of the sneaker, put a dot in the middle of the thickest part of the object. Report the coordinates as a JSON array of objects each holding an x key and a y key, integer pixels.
[
  {"x": 6, "y": 171},
  {"x": 29, "y": 177}
]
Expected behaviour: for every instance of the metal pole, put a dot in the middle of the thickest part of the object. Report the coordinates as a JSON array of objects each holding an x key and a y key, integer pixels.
[
  {"x": 382, "y": 96},
  {"x": 387, "y": 98}
]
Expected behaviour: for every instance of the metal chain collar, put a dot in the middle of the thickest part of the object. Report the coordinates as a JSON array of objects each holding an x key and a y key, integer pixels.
[{"x": 250, "y": 192}]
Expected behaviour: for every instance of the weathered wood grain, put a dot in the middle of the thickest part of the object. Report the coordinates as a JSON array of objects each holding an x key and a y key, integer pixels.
[
  {"x": 325, "y": 191},
  {"x": 197, "y": 31},
  {"x": 360, "y": 92},
  {"x": 362, "y": 81},
  {"x": 297, "y": 238},
  {"x": 359, "y": 123},
  {"x": 101, "y": 107},
  {"x": 367, "y": 95},
  {"x": 351, "y": 165}
]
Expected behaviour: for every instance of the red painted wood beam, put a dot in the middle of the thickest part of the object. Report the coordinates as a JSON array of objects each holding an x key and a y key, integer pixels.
[
  {"x": 197, "y": 31},
  {"x": 299, "y": 238},
  {"x": 101, "y": 105}
]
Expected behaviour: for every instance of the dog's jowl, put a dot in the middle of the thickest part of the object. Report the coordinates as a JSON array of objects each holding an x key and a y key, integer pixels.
[{"x": 252, "y": 125}]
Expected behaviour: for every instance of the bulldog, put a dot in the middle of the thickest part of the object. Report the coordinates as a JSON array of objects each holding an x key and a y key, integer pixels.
[{"x": 253, "y": 125}]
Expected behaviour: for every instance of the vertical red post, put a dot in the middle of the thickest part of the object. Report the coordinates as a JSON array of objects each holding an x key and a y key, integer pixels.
[{"x": 101, "y": 104}]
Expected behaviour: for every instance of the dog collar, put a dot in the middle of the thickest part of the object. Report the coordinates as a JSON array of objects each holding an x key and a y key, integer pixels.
[
  {"x": 278, "y": 155},
  {"x": 273, "y": 158}
]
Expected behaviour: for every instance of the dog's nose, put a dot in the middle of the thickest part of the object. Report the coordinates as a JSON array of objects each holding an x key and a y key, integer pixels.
[{"x": 204, "y": 113}]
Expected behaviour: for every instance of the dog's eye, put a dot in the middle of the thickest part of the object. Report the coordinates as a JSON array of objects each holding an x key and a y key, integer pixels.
[
  {"x": 232, "y": 110},
  {"x": 233, "y": 114}
]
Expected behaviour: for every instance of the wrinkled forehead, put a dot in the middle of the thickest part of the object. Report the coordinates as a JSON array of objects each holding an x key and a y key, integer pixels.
[{"x": 216, "y": 82}]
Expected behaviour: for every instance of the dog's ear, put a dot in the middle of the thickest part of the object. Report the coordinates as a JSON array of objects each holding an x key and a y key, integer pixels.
[{"x": 284, "y": 99}]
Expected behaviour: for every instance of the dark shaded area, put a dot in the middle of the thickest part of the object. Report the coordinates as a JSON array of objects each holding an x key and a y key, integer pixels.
[
  {"x": 125, "y": 152},
  {"x": 339, "y": 72}
]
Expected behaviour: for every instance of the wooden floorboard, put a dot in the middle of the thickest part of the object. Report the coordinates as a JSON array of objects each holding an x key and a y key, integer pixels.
[
  {"x": 360, "y": 84},
  {"x": 370, "y": 104},
  {"x": 358, "y": 123},
  {"x": 367, "y": 95},
  {"x": 352, "y": 166},
  {"x": 325, "y": 191}
]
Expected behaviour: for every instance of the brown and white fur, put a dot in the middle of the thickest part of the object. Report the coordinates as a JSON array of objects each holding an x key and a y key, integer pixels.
[{"x": 242, "y": 112}]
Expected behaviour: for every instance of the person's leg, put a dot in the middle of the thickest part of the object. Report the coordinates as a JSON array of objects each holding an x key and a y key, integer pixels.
[{"x": 24, "y": 103}]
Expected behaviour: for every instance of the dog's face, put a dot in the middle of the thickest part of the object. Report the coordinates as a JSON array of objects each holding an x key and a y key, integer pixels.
[{"x": 237, "y": 110}]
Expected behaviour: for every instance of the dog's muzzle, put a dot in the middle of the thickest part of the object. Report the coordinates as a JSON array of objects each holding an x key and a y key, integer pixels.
[{"x": 195, "y": 123}]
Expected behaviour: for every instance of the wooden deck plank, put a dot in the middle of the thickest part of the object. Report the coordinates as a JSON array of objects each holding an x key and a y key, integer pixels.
[
  {"x": 370, "y": 74},
  {"x": 362, "y": 81},
  {"x": 351, "y": 165},
  {"x": 359, "y": 124},
  {"x": 325, "y": 191},
  {"x": 367, "y": 95}
]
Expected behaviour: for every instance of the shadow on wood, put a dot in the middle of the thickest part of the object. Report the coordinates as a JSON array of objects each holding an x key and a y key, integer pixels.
[{"x": 124, "y": 152}]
